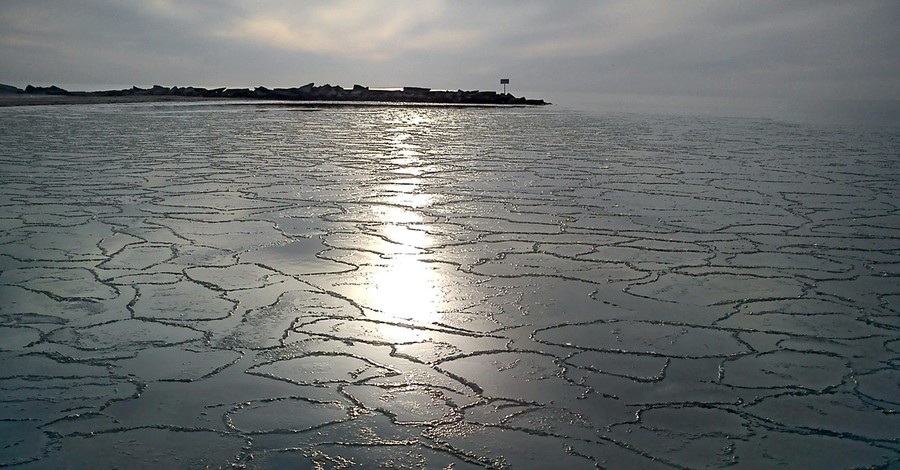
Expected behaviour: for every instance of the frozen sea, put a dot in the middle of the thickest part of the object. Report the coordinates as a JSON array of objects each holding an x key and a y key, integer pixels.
[{"x": 263, "y": 286}]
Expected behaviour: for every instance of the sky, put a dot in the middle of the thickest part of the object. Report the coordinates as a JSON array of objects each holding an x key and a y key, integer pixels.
[{"x": 765, "y": 49}]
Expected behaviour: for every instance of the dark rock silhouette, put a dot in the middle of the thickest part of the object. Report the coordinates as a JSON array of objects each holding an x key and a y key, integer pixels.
[
  {"x": 8, "y": 89},
  {"x": 40, "y": 90},
  {"x": 308, "y": 92}
]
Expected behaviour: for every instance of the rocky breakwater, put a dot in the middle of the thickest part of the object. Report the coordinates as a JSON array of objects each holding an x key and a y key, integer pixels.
[{"x": 308, "y": 92}]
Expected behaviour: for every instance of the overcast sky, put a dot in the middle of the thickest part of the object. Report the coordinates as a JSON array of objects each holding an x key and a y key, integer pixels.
[{"x": 745, "y": 48}]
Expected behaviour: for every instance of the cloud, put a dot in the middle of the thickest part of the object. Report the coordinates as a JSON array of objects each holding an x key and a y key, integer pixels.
[
  {"x": 696, "y": 47},
  {"x": 369, "y": 31}
]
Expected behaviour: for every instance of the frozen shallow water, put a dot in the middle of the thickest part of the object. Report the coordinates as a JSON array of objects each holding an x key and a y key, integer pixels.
[{"x": 267, "y": 287}]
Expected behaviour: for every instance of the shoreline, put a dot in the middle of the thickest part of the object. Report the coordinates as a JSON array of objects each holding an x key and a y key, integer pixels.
[
  {"x": 309, "y": 94},
  {"x": 9, "y": 100}
]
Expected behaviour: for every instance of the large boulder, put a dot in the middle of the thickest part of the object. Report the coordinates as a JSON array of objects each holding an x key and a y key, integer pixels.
[
  {"x": 9, "y": 89},
  {"x": 45, "y": 90}
]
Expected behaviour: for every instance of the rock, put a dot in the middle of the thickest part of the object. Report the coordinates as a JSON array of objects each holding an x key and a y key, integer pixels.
[
  {"x": 237, "y": 93},
  {"x": 9, "y": 89},
  {"x": 50, "y": 90}
]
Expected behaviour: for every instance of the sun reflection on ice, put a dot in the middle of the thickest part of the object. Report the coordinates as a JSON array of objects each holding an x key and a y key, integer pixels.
[{"x": 407, "y": 289}]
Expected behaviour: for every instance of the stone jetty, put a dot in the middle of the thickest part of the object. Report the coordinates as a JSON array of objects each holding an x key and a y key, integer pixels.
[{"x": 308, "y": 92}]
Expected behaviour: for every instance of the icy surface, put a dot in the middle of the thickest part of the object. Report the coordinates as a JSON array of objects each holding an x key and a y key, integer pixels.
[{"x": 261, "y": 287}]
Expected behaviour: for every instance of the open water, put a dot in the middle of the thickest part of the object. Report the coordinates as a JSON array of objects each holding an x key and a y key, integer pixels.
[{"x": 208, "y": 285}]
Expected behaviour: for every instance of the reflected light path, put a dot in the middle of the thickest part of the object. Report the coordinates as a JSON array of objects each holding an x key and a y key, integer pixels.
[{"x": 405, "y": 289}]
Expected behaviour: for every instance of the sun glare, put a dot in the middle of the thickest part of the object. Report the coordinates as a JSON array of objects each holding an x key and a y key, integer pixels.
[{"x": 407, "y": 289}]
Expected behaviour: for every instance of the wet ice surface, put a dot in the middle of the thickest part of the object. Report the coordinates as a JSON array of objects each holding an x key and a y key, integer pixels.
[{"x": 190, "y": 286}]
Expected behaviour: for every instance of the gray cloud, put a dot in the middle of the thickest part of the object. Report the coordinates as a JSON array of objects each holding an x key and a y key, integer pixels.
[{"x": 716, "y": 48}]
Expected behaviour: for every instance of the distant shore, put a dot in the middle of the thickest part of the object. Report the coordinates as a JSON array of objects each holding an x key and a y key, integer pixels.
[
  {"x": 38, "y": 100},
  {"x": 53, "y": 95}
]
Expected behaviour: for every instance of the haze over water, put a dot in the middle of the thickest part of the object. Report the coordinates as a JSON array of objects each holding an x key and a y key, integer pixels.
[{"x": 189, "y": 285}]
